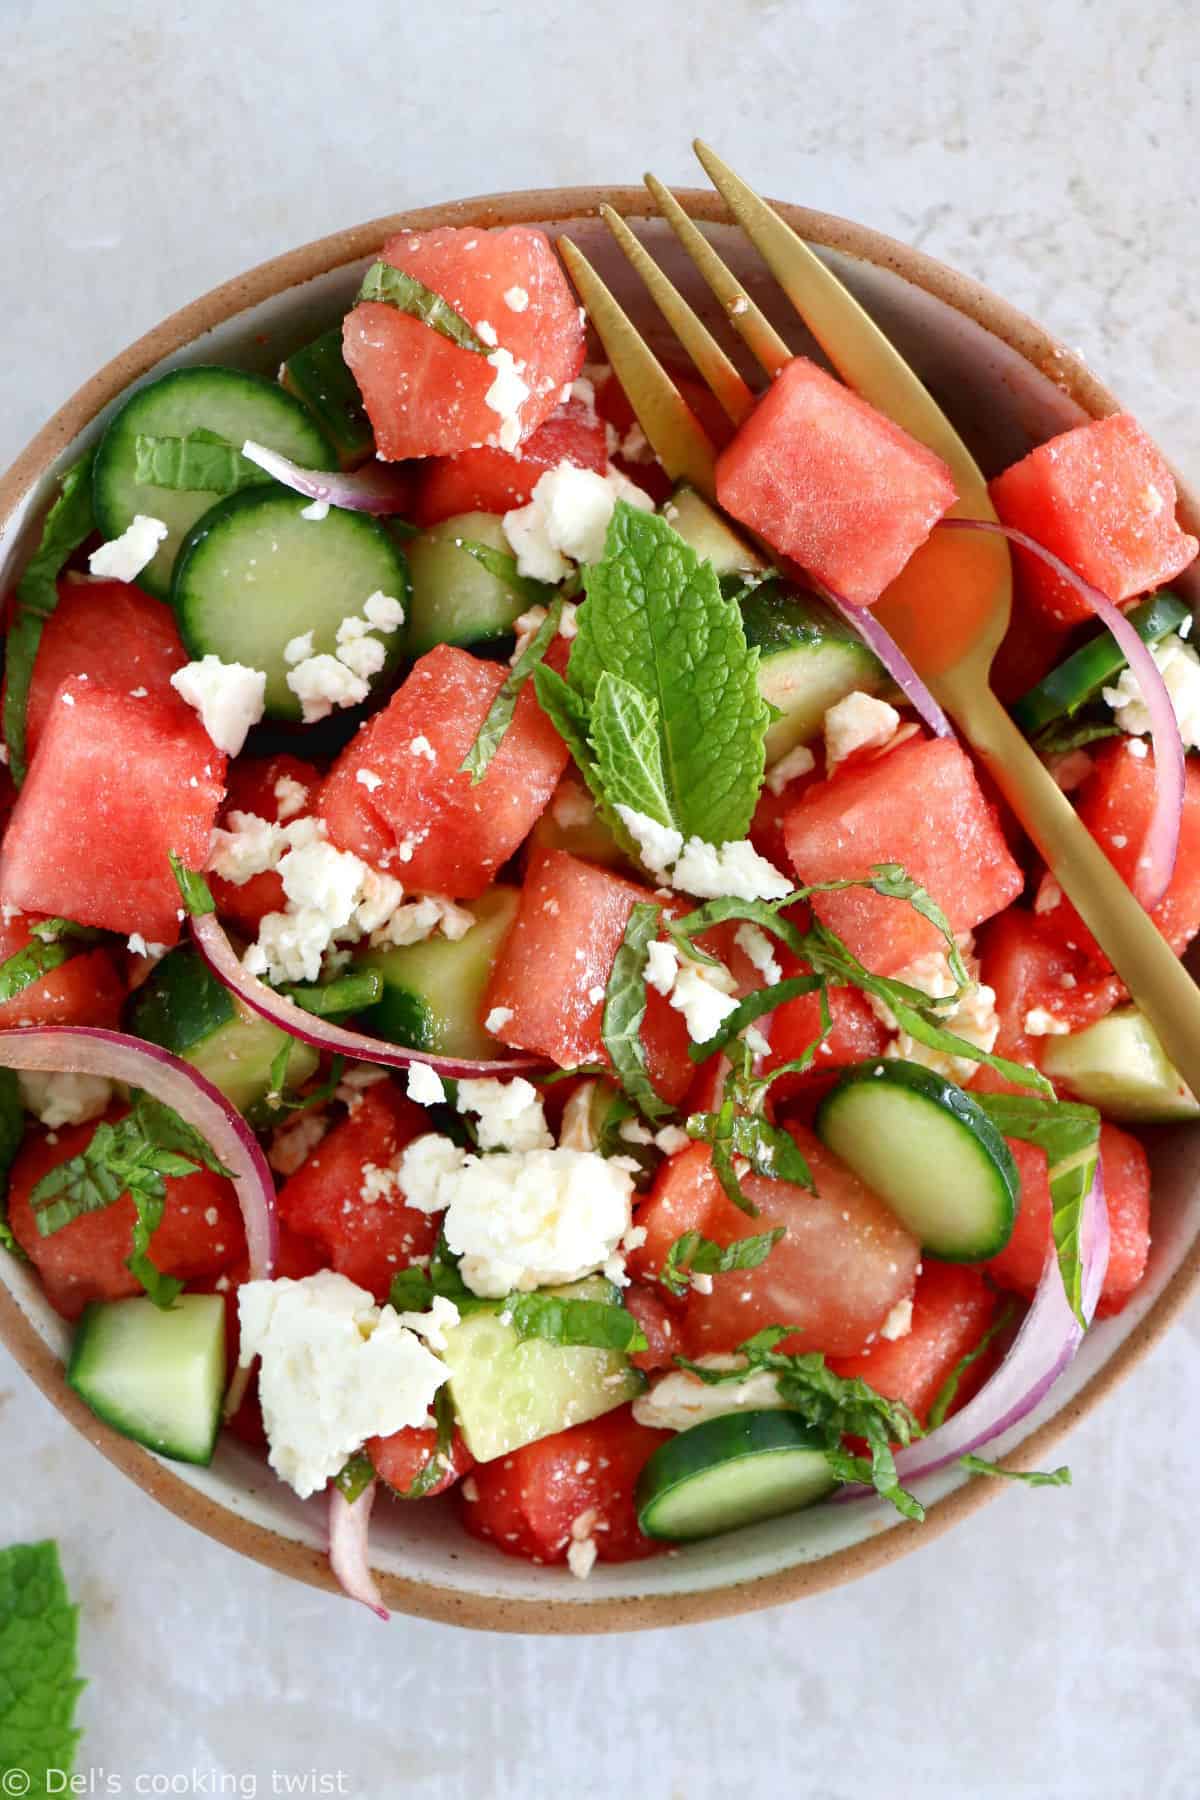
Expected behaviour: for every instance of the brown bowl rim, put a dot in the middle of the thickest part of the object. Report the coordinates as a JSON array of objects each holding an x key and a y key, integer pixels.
[{"x": 429, "y": 1600}]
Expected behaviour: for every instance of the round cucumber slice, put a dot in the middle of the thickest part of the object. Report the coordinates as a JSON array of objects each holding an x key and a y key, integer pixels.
[
  {"x": 730, "y": 1471},
  {"x": 930, "y": 1152},
  {"x": 1080, "y": 677},
  {"x": 253, "y": 573},
  {"x": 455, "y": 600},
  {"x": 231, "y": 404},
  {"x": 1119, "y": 1066}
]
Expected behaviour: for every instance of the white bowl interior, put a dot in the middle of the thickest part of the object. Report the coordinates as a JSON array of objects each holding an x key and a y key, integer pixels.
[{"x": 1002, "y": 406}]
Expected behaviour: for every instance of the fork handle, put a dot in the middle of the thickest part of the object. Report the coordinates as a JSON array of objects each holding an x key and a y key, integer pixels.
[{"x": 1141, "y": 956}]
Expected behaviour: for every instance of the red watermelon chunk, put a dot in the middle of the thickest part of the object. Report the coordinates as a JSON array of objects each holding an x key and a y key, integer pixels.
[
  {"x": 117, "y": 784},
  {"x": 1115, "y": 803},
  {"x": 423, "y": 820},
  {"x": 492, "y": 480},
  {"x": 952, "y": 1308},
  {"x": 87, "y": 990},
  {"x": 554, "y": 966},
  {"x": 919, "y": 805},
  {"x": 425, "y": 395},
  {"x": 830, "y": 481},
  {"x": 110, "y": 632},
  {"x": 1030, "y": 969},
  {"x": 1103, "y": 499}
]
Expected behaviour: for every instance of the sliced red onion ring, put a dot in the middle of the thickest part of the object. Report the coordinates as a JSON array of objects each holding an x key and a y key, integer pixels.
[
  {"x": 349, "y": 1556},
  {"x": 378, "y": 488},
  {"x": 1156, "y": 863},
  {"x": 222, "y": 959},
  {"x": 1050, "y": 1335},
  {"x": 863, "y": 621},
  {"x": 85, "y": 1050}
]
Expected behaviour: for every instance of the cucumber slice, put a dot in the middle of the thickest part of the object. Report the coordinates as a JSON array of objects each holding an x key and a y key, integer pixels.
[
  {"x": 455, "y": 600},
  {"x": 1079, "y": 679},
  {"x": 731, "y": 1471},
  {"x": 709, "y": 535},
  {"x": 572, "y": 823},
  {"x": 928, "y": 1150},
  {"x": 157, "y": 1377},
  {"x": 253, "y": 573},
  {"x": 1119, "y": 1066},
  {"x": 235, "y": 406},
  {"x": 433, "y": 991},
  {"x": 508, "y": 1393},
  {"x": 808, "y": 660},
  {"x": 188, "y": 1011},
  {"x": 319, "y": 378}
]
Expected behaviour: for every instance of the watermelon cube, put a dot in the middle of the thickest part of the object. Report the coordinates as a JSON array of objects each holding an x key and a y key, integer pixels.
[
  {"x": 492, "y": 480},
  {"x": 831, "y": 482},
  {"x": 919, "y": 805},
  {"x": 952, "y": 1308},
  {"x": 416, "y": 813},
  {"x": 553, "y": 969},
  {"x": 427, "y": 396},
  {"x": 1029, "y": 969},
  {"x": 116, "y": 785},
  {"x": 1103, "y": 499},
  {"x": 1116, "y": 803},
  {"x": 87, "y": 990}
]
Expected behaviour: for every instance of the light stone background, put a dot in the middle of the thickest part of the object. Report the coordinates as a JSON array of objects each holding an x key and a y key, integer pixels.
[{"x": 1046, "y": 146}]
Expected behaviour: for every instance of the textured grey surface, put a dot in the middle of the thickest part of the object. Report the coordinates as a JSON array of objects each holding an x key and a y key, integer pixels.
[{"x": 1049, "y": 1647}]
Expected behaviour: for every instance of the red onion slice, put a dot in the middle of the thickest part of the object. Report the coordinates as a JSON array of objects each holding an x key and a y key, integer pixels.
[
  {"x": 85, "y": 1050},
  {"x": 349, "y": 1555},
  {"x": 862, "y": 620},
  {"x": 378, "y": 488},
  {"x": 222, "y": 959},
  {"x": 1156, "y": 863}
]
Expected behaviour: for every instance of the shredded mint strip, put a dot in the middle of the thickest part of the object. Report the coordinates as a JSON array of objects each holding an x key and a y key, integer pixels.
[
  {"x": 69, "y": 521},
  {"x": 570, "y": 715},
  {"x": 53, "y": 942},
  {"x": 503, "y": 566},
  {"x": 39, "y": 1676},
  {"x": 499, "y": 717},
  {"x": 194, "y": 890},
  {"x": 555, "y": 1318},
  {"x": 349, "y": 993},
  {"x": 200, "y": 462},
  {"x": 1031, "y": 1477},
  {"x": 280, "y": 1100},
  {"x": 948, "y": 1392},
  {"x": 762, "y": 1000},
  {"x": 408, "y": 295},
  {"x": 434, "y": 1466},
  {"x": 1070, "y": 1136},
  {"x": 695, "y": 1254},
  {"x": 355, "y": 1477},
  {"x": 625, "y": 1009}
]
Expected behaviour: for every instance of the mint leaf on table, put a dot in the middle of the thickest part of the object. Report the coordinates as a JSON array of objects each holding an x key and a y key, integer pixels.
[
  {"x": 199, "y": 462},
  {"x": 1069, "y": 1133},
  {"x": 39, "y": 1682},
  {"x": 394, "y": 287},
  {"x": 69, "y": 521}
]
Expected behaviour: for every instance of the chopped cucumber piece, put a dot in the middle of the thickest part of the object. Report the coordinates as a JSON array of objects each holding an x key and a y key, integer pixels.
[
  {"x": 572, "y": 823},
  {"x": 712, "y": 538},
  {"x": 808, "y": 660},
  {"x": 183, "y": 1007},
  {"x": 929, "y": 1151},
  {"x": 318, "y": 376},
  {"x": 731, "y": 1471},
  {"x": 228, "y": 402},
  {"x": 507, "y": 1392},
  {"x": 253, "y": 573},
  {"x": 155, "y": 1376},
  {"x": 1119, "y": 1066},
  {"x": 1067, "y": 688},
  {"x": 433, "y": 991},
  {"x": 455, "y": 600}
]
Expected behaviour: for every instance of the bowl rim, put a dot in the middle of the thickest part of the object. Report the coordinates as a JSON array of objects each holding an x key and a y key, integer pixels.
[{"x": 410, "y": 1595}]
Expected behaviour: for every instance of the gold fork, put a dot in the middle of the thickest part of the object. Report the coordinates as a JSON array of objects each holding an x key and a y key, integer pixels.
[{"x": 950, "y": 607}]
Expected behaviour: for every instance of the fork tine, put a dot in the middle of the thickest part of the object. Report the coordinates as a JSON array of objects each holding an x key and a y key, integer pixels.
[
  {"x": 671, "y": 428},
  {"x": 753, "y": 327},
  {"x": 850, "y": 338},
  {"x": 733, "y": 393}
]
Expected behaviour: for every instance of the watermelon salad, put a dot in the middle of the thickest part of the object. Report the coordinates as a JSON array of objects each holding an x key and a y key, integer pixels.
[{"x": 512, "y": 993}]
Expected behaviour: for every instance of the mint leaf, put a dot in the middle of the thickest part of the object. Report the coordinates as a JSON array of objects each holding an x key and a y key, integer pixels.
[
  {"x": 949, "y": 1389},
  {"x": 655, "y": 617},
  {"x": 625, "y": 1008},
  {"x": 560, "y": 1319},
  {"x": 1032, "y": 1477},
  {"x": 766, "y": 913},
  {"x": 490, "y": 735},
  {"x": 435, "y": 1464},
  {"x": 625, "y": 737},
  {"x": 69, "y": 521},
  {"x": 1073, "y": 734},
  {"x": 1070, "y": 1136},
  {"x": 408, "y": 295},
  {"x": 199, "y": 462},
  {"x": 348, "y": 993},
  {"x": 695, "y": 1254},
  {"x": 280, "y": 1099},
  {"x": 760, "y": 1001},
  {"x": 53, "y": 942},
  {"x": 568, "y": 712},
  {"x": 39, "y": 1681},
  {"x": 355, "y": 1477},
  {"x": 194, "y": 890},
  {"x": 503, "y": 565}
]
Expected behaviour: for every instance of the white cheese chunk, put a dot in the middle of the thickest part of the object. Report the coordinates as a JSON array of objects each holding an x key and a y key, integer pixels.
[
  {"x": 229, "y": 697},
  {"x": 859, "y": 722},
  {"x": 506, "y": 396},
  {"x": 710, "y": 871},
  {"x": 62, "y": 1098},
  {"x": 1179, "y": 666},
  {"x": 425, "y": 1085},
  {"x": 799, "y": 761},
  {"x": 659, "y": 846},
  {"x": 678, "y": 1401},
  {"x": 567, "y": 519},
  {"x": 509, "y": 1114},
  {"x": 322, "y": 682},
  {"x": 123, "y": 558}
]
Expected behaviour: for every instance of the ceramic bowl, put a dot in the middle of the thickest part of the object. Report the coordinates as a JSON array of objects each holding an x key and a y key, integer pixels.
[{"x": 1007, "y": 385}]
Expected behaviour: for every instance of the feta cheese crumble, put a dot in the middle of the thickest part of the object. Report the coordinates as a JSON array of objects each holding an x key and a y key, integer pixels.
[
  {"x": 497, "y": 1019},
  {"x": 229, "y": 697},
  {"x": 506, "y": 396},
  {"x": 335, "y": 1370},
  {"x": 680, "y": 1400},
  {"x": 799, "y": 761},
  {"x": 425, "y": 1085},
  {"x": 520, "y": 1219},
  {"x": 567, "y": 520},
  {"x": 1040, "y": 1023},
  {"x": 974, "y": 1017},
  {"x": 898, "y": 1323},
  {"x": 322, "y": 682},
  {"x": 859, "y": 722},
  {"x": 710, "y": 871},
  {"x": 659, "y": 846},
  {"x": 509, "y": 1114},
  {"x": 759, "y": 951},
  {"x": 291, "y": 797},
  {"x": 369, "y": 779},
  {"x": 123, "y": 558},
  {"x": 1179, "y": 666},
  {"x": 62, "y": 1098},
  {"x": 516, "y": 299}
]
